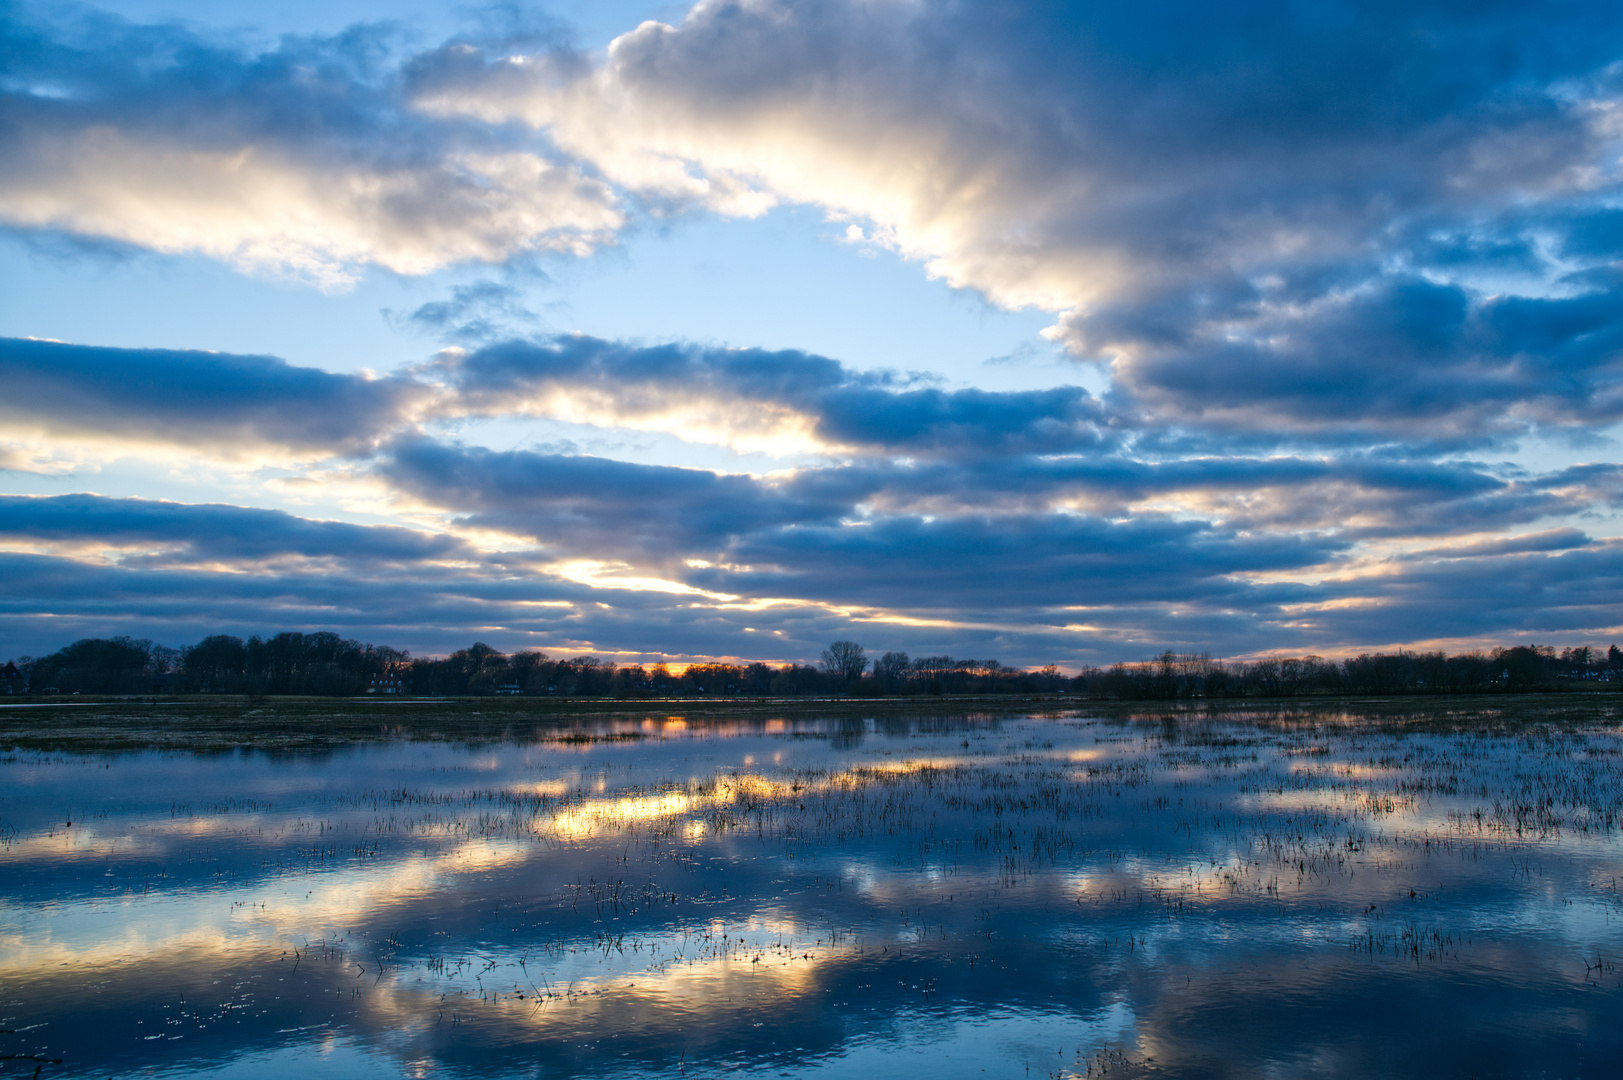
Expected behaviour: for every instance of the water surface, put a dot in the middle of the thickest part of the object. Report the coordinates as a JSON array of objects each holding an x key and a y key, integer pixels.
[{"x": 1197, "y": 894}]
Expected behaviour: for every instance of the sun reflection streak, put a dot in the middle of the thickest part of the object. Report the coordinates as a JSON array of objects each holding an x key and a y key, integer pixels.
[{"x": 220, "y": 918}]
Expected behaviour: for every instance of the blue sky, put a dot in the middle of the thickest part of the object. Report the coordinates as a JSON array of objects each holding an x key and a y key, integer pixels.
[{"x": 1044, "y": 332}]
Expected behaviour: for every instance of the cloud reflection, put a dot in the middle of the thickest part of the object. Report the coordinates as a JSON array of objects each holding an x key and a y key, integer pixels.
[{"x": 663, "y": 897}]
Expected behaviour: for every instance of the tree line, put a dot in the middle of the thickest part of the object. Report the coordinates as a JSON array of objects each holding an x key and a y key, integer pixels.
[
  {"x": 1518, "y": 669},
  {"x": 289, "y": 663},
  {"x": 327, "y": 664}
]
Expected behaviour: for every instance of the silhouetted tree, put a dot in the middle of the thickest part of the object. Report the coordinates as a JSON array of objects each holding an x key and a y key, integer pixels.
[
  {"x": 845, "y": 660},
  {"x": 217, "y": 664},
  {"x": 120, "y": 665},
  {"x": 758, "y": 678},
  {"x": 795, "y": 680},
  {"x": 890, "y": 671}
]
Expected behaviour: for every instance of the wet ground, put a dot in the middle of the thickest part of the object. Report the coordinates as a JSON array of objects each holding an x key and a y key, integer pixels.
[{"x": 1308, "y": 892}]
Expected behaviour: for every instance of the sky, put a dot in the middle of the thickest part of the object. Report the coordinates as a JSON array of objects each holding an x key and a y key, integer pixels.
[{"x": 1042, "y": 332}]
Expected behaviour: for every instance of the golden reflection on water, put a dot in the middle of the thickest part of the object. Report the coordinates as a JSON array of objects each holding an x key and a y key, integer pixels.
[
  {"x": 1344, "y": 770},
  {"x": 548, "y": 789},
  {"x": 696, "y": 977},
  {"x": 221, "y": 917},
  {"x": 211, "y": 920},
  {"x": 592, "y": 817}
]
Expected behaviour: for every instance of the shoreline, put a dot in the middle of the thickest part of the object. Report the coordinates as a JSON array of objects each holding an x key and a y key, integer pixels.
[{"x": 217, "y": 724}]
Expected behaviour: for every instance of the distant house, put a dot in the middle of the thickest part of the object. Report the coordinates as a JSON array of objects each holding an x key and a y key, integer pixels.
[
  {"x": 510, "y": 688},
  {"x": 384, "y": 686}
]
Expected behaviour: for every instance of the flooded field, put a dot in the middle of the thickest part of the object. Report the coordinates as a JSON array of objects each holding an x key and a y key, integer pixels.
[{"x": 1324, "y": 892}]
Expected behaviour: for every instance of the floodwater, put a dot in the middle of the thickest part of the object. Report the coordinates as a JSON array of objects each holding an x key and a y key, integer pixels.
[{"x": 1264, "y": 894}]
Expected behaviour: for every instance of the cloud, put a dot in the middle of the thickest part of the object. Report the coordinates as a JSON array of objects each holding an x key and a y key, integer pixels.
[
  {"x": 759, "y": 399},
  {"x": 15, "y": 459},
  {"x": 52, "y": 599},
  {"x": 1400, "y": 358},
  {"x": 970, "y": 512},
  {"x": 226, "y": 404},
  {"x": 1549, "y": 540},
  {"x": 1334, "y": 217},
  {"x": 299, "y": 160},
  {"x": 1329, "y": 224},
  {"x": 1507, "y": 593},
  {"x": 1025, "y": 590},
  {"x": 890, "y": 445},
  {"x": 782, "y": 402},
  {"x": 1049, "y": 144},
  {"x": 179, "y": 533},
  {"x": 1029, "y": 525},
  {"x": 473, "y": 314},
  {"x": 655, "y": 516},
  {"x": 1010, "y": 562}
]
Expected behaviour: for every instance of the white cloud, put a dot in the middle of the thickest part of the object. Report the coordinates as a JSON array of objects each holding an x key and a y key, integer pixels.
[
  {"x": 1067, "y": 161},
  {"x": 697, "y": 116},
  {"x": 262, "y": 209}
]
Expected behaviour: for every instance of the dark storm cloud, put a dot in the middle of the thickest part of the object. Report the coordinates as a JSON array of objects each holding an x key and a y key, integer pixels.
[{"x": 198, "y": 399}]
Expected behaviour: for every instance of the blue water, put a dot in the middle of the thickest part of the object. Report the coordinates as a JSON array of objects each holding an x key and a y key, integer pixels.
[{"x": 1304, "y": 894}]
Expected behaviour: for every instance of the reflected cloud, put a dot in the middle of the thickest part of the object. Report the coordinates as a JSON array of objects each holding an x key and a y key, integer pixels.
[{"x": 747, "y": 890}]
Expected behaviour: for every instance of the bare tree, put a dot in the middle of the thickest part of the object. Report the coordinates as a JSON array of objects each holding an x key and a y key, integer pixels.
[
  {"x": 846, "y": 660},
  {"x": 891, "y": 669}
]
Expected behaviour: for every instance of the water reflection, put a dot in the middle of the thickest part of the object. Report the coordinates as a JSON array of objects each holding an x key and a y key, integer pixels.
[{"x": 1195, "y": 895}]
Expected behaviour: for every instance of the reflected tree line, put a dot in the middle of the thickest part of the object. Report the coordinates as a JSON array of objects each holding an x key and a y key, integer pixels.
[{"x": 326, "y": 664}]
